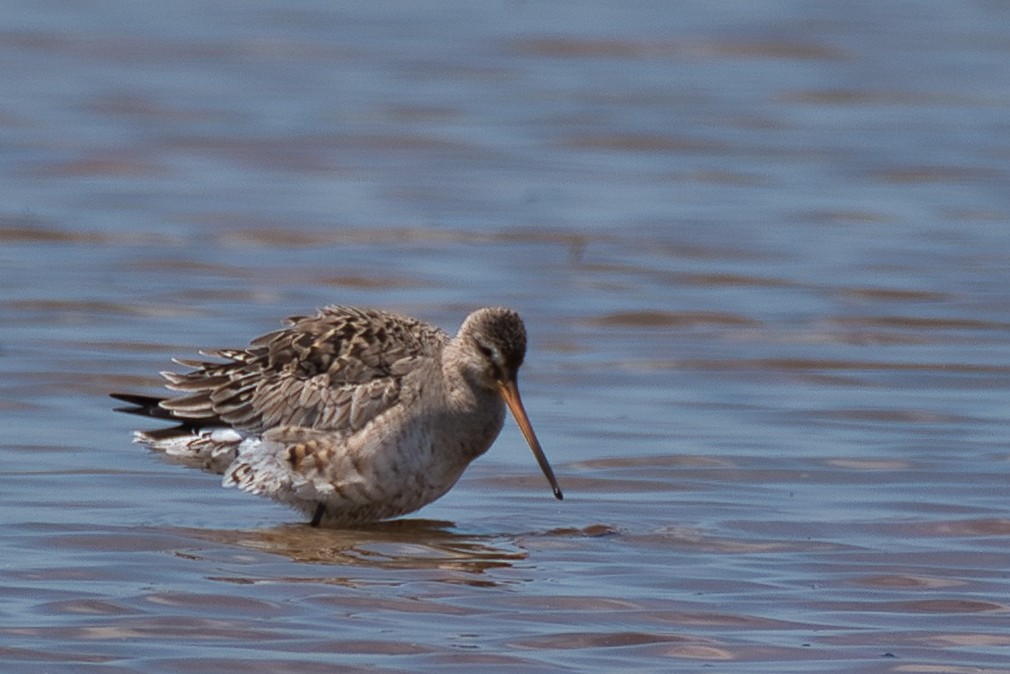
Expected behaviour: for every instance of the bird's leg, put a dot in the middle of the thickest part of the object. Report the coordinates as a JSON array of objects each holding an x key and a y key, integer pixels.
[{"x": 317, "y": 517}]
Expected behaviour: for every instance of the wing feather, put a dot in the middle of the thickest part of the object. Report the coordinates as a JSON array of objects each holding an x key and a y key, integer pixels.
[{"x": 333, "y": 371}]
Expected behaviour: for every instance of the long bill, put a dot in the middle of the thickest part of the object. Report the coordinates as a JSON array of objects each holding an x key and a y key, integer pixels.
[{"x": 510, "y": 392}]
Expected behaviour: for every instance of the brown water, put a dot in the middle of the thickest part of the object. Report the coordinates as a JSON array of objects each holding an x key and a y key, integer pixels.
[{"x": 762, "y": 249}]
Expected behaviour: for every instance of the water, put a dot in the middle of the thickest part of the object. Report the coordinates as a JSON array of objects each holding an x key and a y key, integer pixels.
[{"x": 761, "y": 248}]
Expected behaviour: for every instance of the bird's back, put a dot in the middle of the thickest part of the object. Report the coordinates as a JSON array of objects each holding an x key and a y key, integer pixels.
[{"x": 333, "y": 371}]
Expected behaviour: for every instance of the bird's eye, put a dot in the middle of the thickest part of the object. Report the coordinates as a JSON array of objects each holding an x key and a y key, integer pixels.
[{"x": 486, "y": 351}]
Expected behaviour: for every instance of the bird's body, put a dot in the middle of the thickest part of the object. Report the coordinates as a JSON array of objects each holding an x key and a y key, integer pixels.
[{"x": 351, "y": 415}]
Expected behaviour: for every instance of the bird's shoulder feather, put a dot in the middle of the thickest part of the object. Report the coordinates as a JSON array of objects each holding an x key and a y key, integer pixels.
[{"x": 334, "y": 371}]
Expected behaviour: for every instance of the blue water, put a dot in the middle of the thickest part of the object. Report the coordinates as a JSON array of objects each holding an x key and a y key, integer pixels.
[{"x": 761, "y": 248}]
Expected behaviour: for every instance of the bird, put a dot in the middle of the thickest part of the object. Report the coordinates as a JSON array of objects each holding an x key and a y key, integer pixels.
[{"x": 350, "y": 415}]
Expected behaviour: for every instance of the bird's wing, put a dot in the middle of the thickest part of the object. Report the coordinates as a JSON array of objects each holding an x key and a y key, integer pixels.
[{"x": 334, "y": 371}]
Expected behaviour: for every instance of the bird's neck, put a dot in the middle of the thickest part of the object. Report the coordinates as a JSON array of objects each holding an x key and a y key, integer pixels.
[{"x": 464, "y": 392}]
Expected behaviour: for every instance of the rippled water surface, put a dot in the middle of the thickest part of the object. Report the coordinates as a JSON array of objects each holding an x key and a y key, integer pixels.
[{"x": 762, "y": 250}]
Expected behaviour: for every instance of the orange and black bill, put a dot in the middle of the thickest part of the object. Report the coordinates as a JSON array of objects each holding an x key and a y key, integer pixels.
[{"x": 510, "y": 392}]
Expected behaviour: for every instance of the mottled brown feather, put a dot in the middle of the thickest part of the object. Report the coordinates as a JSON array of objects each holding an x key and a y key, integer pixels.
[{"x": 332, "y": 371}]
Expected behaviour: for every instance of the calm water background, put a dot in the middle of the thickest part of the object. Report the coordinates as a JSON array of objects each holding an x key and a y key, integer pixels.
[{"x": 762, "y": 249}]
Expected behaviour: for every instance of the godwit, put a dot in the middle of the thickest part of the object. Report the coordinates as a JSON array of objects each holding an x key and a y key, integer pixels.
[{"x": 350, "y": 415}]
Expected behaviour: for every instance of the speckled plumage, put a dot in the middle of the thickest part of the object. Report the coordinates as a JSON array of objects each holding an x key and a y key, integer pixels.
[{"x": 351, "y": 415}]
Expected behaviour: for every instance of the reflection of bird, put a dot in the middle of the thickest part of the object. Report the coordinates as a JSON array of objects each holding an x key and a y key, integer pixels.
[
  {"x": 411, "y": 543},
  {"x": 351, "y": 415}
]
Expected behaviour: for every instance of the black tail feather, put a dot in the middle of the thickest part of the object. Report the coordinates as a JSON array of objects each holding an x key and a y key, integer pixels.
[
  {"x": 145, "y": 406},
  {"x": 149, "y": 406}
]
